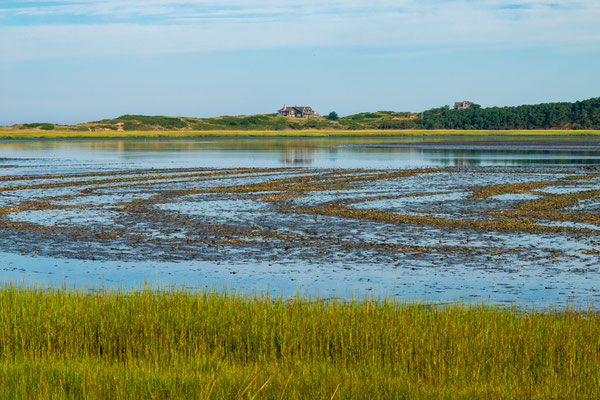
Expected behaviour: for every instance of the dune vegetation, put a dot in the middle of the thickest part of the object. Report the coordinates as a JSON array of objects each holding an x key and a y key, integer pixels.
[
  {"x": 582, "y": 117},
  {"x": 174, "y": 343}
]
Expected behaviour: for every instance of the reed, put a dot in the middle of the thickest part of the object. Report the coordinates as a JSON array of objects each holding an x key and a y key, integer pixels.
[
  {"x": 175, "y": 343},
  {"x": 58, "y": 133}
]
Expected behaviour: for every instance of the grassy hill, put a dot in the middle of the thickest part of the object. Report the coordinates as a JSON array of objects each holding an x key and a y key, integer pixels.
[
  {"x": 259, "y": 122},
  {"x": 580, "y": 115}
]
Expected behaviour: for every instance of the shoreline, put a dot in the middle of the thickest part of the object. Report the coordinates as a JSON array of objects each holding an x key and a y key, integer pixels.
[{"x": 50, "y": 135}]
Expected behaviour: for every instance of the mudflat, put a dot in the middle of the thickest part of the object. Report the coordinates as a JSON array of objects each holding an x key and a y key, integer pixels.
[{"x": 502, "y": 234}]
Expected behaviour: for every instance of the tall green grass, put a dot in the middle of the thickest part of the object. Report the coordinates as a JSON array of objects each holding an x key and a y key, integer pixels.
[
  {"x": 7, "y": 133},
  {"x": 177, "y": 344}
]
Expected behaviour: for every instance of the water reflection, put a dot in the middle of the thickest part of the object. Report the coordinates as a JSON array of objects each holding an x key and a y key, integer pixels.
[
  {"x": 321, "y": 152},
  {"x": 298, "y": 156}
]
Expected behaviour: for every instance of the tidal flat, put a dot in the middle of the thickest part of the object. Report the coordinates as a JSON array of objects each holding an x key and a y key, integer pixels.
[
  {"x": 278, "y": 268},
  {"x": 503, "y": 235}
]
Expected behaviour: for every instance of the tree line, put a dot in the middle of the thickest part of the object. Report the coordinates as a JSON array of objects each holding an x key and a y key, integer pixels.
[{"x": 579, "y": 115}]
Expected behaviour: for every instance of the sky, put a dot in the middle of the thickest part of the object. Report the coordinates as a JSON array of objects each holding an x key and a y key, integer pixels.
[{"x": 69, "y": 61}]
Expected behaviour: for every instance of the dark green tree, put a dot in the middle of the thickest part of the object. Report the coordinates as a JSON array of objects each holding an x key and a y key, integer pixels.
[
  {"x": 579, "y": 115},
  {"x": 333, "y": 116}
]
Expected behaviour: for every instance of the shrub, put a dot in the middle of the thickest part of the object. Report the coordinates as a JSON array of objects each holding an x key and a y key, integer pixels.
[
  {"x": 333, "y": 116},
  {"x": 404, "y": 124},
  {"x": 42, "y": 125}
]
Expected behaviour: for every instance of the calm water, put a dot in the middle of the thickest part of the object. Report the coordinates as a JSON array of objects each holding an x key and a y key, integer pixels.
[
  {"x": 318, "y": 153},
  {"x": 431, "y": 277}
]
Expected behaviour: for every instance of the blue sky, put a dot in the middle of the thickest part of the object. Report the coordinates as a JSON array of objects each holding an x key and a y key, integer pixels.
[{"x": 69, "y": 61}]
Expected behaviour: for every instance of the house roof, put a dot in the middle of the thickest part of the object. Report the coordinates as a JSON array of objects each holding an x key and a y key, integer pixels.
[{"x": 297, "y": 108}]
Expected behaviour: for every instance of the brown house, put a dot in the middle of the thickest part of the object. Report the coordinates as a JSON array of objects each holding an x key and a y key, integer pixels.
[
  {"x": 298, "y": 112},
  {"x": 463, "y": 105}
]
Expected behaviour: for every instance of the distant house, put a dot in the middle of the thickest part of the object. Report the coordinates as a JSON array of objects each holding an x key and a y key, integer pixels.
[
  {"x": 463, "y": 105},
  {"x": 298, "y": 112}
]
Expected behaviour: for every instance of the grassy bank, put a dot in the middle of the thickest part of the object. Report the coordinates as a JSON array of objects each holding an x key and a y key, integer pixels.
[
  {"x": 173, "y": 344},
  {"x": 58, "y": 134},
  {"x": 578, "y": 115}
]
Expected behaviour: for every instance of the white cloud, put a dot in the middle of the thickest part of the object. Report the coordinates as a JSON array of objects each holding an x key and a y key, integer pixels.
[{"x": 168, "y": 26}]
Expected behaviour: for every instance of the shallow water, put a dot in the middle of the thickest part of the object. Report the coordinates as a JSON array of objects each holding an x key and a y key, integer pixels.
[
  {"x": 320, "y": 153},
  {"x": 93, "y": 213}
]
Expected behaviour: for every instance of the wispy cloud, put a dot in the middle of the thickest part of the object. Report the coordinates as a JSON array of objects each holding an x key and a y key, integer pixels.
[
  {"x": 136, "y": 9},
  {"x": 34, "y": 29}
]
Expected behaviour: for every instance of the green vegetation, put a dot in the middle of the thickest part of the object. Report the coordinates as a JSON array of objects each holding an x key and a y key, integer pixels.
[
  {"x": 142, "y": 122},
  {"x": 178, "y": 344},
  {"x": 375, "y": 120},
  {"x": 111, "y": 133},
  {"x": 333, "y": 116},
  {"x": 269, "y": 122},
  {"x": 43, "y": 126},
  {"x": 581, "y": 115}
]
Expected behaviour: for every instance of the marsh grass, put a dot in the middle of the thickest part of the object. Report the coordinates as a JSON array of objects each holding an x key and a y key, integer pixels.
[
  {"x": 173, "y": 343},
  {"x": 63, "y": 133}
]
